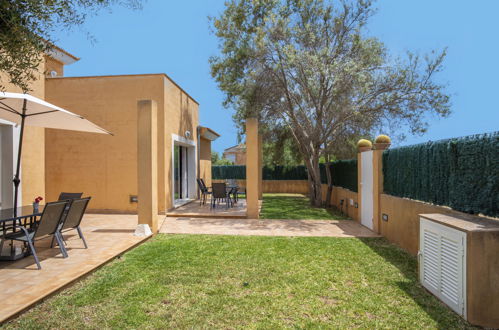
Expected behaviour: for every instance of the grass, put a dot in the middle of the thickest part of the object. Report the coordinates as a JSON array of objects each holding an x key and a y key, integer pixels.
[
  {"x": 202, "y": 281},
  {"x": 295, "y": 206}
]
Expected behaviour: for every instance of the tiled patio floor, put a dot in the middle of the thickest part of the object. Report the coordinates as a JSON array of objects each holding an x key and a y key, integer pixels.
[
  {"x": 194, "y": 210},
  {"x": 319, "y": 228},
  {"x": 22, "y": 285}
]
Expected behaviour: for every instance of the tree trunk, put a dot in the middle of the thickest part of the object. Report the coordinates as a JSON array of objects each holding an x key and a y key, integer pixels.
[
  {"x": 329, "y": 183},
  {"x": 315, "y": 183}
]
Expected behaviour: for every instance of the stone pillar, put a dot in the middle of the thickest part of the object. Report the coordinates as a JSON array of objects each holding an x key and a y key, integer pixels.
[
  {"x": 147, "y": 163},
  {"x": 382, "y": 143},
  {"x": 252, "y": 168},
  {"x": 359, "y": 186},
  {"x": 260, "y": 167},
  {"x": 377, "y": 188}
]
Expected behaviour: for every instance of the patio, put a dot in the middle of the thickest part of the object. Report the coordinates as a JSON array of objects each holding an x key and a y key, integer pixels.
[
  {"x": 194, "y": 210},
  {"x": 252, "y": 227},
  {"x": 22, "y": 285}
]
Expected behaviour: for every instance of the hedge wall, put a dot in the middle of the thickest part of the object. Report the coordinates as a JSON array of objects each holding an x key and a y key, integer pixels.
[
  {"x": 284, "y": 173},
  {"x": 222, "y": 172},
  {"x": 344, "y": 173},
  {"x": 461, "y": 173}
]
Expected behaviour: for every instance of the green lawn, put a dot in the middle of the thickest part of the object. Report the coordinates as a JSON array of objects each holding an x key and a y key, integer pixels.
[
  {"x": 295, "y": 206},
  {"x": 202, "y": 281}
]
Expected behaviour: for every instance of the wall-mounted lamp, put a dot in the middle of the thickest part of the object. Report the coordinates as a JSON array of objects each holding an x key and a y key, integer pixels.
[{"x": 187, "y": 134}]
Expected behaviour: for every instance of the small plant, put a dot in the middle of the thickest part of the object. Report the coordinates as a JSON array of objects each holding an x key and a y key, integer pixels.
[
  {"x": 363, "y": 143},
  {"x": 383, "y": 139}
]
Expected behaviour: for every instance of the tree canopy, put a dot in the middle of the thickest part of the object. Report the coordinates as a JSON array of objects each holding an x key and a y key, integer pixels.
[
  {"x": 309, "y": 66},
  {"x": 27, "y": 28}
]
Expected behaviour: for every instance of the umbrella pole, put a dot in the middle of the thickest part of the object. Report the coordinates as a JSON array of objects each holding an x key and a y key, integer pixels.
[{"x": 16, "y": 180}]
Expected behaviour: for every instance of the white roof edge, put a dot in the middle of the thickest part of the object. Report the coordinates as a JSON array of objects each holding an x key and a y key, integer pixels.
[
  {"x": 209, "y": 136},
  {"x": 61, "y": 56}
]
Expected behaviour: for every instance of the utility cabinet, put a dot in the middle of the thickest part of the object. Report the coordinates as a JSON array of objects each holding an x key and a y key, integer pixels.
[{"x": 459, "y": 264}]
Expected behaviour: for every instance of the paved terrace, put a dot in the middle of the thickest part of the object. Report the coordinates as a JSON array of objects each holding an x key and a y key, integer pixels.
[
  {"x": 195, "y": 210},
  {"x": 220, "y": 226},
  {"x": 22, "y": 285}
]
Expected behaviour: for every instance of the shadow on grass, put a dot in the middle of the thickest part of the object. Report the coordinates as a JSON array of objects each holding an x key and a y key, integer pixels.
[
  {"x": 296, "y": 208},
  {"x": 408, "y": 266}
]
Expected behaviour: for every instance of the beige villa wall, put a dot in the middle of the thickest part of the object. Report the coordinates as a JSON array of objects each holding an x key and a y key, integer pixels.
[
  {"x": 180, "y": 115},
  {"x": 205, "y": 161},
  {"x": 52, "y": 64},
  {"x": 33, "y": 155},
  {"x": 105, "y": 167},
  {"x": 101, "y": 166}
]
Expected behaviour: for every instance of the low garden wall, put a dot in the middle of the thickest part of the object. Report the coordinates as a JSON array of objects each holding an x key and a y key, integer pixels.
[
  {"x": 402, "y": 227},
  {"x": 350, "y": 201},
  {"x": 279, "y": 186}
]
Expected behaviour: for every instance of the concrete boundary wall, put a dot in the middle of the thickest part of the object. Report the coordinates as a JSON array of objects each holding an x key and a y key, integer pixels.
[{"x": 278, "y": 186}]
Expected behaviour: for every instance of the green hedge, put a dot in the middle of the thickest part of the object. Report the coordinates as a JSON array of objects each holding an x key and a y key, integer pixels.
[
  {"x": 222, "y": 172},
  {"x": 298, "y": 172},
  {"x": 461, "y": 173},
  {"x": 344, "y": 173}
]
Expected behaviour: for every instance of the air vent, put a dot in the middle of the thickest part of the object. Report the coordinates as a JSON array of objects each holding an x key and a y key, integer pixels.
[{"x": 442, "y": 259}]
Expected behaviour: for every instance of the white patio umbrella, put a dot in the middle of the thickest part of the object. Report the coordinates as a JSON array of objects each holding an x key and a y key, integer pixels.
[{"x": 24, "y": 109}]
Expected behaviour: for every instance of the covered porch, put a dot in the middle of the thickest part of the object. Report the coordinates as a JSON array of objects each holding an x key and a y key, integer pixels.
[{"x": 195, "y": 209}]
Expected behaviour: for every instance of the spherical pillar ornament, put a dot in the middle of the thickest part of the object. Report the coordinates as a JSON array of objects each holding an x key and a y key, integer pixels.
[
  {"x": 382, "y": 142},
  {"x": 364, "y": 145}
]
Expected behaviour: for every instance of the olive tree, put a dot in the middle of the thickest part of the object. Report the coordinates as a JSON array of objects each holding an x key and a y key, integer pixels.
[{"x": 310, "y": 66}]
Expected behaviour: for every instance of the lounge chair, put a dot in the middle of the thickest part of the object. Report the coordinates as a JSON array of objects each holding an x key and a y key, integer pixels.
[{"x": 47, "y": 226}]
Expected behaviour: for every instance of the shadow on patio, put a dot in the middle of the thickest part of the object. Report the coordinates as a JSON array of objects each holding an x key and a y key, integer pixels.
[
  {"x": 22, "y": 285},
  {"x": 195, "y": 210}
]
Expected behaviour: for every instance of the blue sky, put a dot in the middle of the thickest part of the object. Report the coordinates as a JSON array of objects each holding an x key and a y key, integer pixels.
[{"x": 173, "y": 37}]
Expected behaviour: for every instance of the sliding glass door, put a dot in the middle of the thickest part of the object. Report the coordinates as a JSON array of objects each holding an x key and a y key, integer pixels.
[{"x": 180, "y": 173}]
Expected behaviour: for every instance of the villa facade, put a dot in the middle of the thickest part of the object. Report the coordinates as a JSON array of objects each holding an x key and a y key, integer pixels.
[{"x": 103, "y": 166}]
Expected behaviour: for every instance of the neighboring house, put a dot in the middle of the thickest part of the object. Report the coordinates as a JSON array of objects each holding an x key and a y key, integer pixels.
[
  {"x": 105, "y": 167},
  {"x": 236, "y": 154}
]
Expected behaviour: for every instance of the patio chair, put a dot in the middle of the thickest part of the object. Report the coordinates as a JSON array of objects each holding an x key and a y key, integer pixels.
[
  {"x": 219, "y": 192},
  {"x": 236, "y": 190},
  {"x": 73, "y": 217},
  {"x": 204, "y": 191},
  {"x": 65, "y": 196},
  {"x": 47, "y": 226}
]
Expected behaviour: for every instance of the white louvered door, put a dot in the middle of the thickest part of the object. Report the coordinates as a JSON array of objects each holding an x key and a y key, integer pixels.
[{"x": 442, "y": 267}]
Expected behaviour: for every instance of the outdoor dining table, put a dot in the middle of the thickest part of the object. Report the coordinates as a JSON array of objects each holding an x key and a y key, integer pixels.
[{"x": 11, "y": 218}]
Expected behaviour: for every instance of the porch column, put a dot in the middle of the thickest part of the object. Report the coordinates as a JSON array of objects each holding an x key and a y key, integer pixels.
[
  {"x": 147, "y": 163},
  {"x": 260, "y": 167},
  {"x": 252, "y": 168}
]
